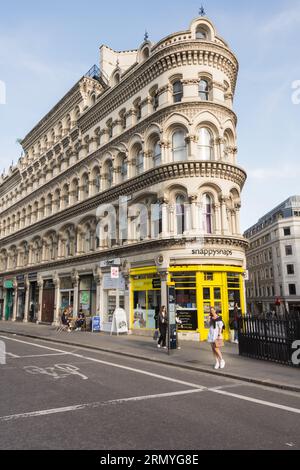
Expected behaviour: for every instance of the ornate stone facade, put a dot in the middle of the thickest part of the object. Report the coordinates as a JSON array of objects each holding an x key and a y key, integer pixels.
[{"x": 157, "y": 129}]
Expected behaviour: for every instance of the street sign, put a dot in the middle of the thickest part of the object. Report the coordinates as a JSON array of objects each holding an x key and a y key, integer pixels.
[
  {"x": 114, "y": 273},
  {"x": 156, "y": 283}
]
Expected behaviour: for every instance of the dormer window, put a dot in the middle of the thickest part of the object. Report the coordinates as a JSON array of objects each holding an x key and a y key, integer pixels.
[{"x": 201, "y": 34}]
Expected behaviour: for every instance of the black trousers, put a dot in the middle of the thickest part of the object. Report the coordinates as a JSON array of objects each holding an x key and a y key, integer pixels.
[{"x": 163, "y": 335}]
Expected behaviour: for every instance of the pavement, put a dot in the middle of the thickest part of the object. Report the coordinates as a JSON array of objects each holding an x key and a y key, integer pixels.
[{"x": 193, "y": 356}]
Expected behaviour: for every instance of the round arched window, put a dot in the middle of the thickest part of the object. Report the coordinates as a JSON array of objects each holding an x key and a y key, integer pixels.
[
  {"x": 205, "y": 144},
  {"x": 179, "y": 148}
]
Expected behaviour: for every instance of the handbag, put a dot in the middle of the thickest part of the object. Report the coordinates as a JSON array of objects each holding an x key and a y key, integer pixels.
[
  {"x": 219, "y": 343},
  {"x": 155, "y": 335}
]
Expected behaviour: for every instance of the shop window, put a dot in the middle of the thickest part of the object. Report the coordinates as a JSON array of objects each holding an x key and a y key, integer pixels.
[
  {"x": 208, "y": 277},
  {"x": 87, "y": 295},
  {"x": 146, "y": 305},
  {"x": 186, "y": 300}
]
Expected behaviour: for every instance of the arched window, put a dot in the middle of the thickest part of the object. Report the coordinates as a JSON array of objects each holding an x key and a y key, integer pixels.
[
  {"x": 140, "y": 162},
  {"x": 157, "y": 154},
  {"x": 179, "y": 146},
  {"x": 204, "y": 90},
  {"x": 207, "y": 214},
  {"x": 180, "y": 214},
  {"x": 110, "y": 174},
  {"x": 205, "y": 144},
  {"x": 124, "y": 169},
  {"x": 89, "y": 239},
  {"x": 85, "y": 186},
  {"x": 177, "y": 91},
  {"x": 201, "y": 34}
]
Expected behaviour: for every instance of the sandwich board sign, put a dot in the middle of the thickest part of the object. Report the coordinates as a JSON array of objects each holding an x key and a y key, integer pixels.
[
  {"x": 119, "y": 323},
  {"x": 96, "y": 326}
]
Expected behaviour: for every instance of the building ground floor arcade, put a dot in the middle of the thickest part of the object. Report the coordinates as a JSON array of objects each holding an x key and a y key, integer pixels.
[{"x": 210, "y": 277}]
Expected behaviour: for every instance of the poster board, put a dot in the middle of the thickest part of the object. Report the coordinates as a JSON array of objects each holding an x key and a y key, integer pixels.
[
  {"x": 119, "y": 323},
  {"x": 96, "y": 325}
]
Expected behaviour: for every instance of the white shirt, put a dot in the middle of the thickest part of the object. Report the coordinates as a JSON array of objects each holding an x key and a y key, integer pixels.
[{"x": 214, "y": 333}]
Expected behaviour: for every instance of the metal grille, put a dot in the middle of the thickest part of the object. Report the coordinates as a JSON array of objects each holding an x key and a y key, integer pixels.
[{"x": 270, "y": 339}]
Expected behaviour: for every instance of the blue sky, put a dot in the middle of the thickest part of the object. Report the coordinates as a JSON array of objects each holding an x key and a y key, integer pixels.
[{"x": 46, "y": 47}]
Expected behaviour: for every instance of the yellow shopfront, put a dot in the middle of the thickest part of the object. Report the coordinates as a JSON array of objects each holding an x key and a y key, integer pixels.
[{"x": 197, "y": 289}]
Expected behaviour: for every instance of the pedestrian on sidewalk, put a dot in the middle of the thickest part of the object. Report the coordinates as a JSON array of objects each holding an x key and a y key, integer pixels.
[
  {"x": 236, "y": 320},
  {"x": 163, "y": 326},
  {"x": 178, "y": 324},
  {"x": 215, "y": 337}
]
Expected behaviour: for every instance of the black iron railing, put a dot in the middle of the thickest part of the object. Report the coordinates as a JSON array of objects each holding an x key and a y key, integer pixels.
[
  {"x": 97, "y": 74},
  {"x": 271, "y": 339}
]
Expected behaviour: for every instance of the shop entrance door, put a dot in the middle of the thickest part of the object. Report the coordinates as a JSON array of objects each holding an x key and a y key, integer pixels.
[
  {"x": 9, "y": 304},
  {"x": 211, "y": 297},
  {"x": 48, "y": 304}
]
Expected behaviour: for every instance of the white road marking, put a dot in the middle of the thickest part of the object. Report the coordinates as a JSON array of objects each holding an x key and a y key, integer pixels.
[
  {"x": 40, "y": 355},
  {"x": 111, "y": 364},
  {"x": 188, "y": 384},
  {"x": 83, "y": 406},
  {"x": 259, "y": 402},
  {"x": 12, "y": 355},
  {"x": 59, "y": 371}
]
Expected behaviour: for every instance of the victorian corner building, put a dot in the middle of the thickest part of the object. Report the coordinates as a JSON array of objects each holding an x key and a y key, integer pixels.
[{"x": 152, "y": 128}]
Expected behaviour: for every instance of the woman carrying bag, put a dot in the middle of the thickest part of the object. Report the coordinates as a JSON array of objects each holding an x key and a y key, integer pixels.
[
  {"x": 163, "y": 328},
  {"x": 215, "y": 338}
]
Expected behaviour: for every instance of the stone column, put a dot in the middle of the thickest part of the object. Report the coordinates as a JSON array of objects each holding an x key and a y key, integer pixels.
[
  {"x": 75, "y": 280},
  {"x": 218, "y": 219},
  {"x": 56, "y": 321},
  {"x": 165, "y": 220},
  {"x": 126, "y": 275},
  {"x": 40, "y": 306},
  {"x": 165, "y": 154},
  {"x": 27, "y": 287},
  {"x": 164, "y": 274},
  {"x": 225, "y": 228},
  {"x": 15, "y": 306},
  {"x": 99, "y": 295},
  {"x": 237, "y": 220}
]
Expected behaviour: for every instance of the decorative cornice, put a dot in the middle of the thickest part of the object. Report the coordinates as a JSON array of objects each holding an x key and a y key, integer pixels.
[
  {"x": 127, "y": 251},
  {"x": 174, "y": 56},
  {"x": 192, "y": 169},
  {"x": 190, "y": 109}
]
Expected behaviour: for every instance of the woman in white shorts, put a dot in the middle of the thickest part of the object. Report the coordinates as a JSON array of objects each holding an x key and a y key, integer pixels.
[{"x": 215, "y": 336}]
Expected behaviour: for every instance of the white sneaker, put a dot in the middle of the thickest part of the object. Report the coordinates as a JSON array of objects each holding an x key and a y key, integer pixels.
[
  {"x": 217, "y": 366},
  {"x": 222, "y": 365},
  {"x": 159, "y": 346}
]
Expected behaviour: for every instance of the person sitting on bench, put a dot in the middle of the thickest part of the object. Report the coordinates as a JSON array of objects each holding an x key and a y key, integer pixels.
[{"x": 80, "y": 322}]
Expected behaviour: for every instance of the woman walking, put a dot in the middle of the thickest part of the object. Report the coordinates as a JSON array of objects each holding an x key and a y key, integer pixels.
[
  {"x": 215, "y": 337},
  {"x": 163, "y": 326}
]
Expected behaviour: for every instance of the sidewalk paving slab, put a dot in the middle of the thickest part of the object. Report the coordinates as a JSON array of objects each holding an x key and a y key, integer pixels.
[{"x": 193, "y": 355}]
